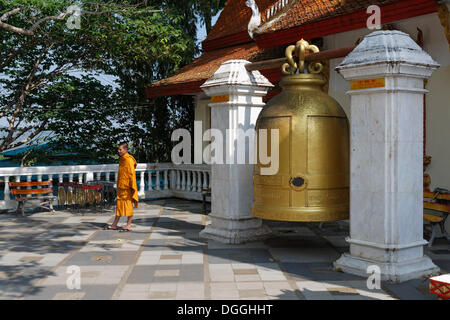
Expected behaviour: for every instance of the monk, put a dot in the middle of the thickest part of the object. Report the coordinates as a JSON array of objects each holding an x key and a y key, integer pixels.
[{"x": 127, "y": 196}]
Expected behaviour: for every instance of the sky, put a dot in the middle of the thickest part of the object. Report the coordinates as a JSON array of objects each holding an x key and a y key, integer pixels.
[{"x": 201, "y": 30}]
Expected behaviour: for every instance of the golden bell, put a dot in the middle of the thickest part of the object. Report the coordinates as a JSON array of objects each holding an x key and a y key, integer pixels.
[{"x": 312, "y": 182}]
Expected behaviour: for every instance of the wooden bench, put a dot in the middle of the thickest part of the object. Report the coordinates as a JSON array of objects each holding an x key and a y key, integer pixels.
[
  {"x": 44, "y": 193},
  {"x": 440, "y": 203}
]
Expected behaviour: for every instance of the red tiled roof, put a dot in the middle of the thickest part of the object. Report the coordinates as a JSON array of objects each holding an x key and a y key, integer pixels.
[
  {"x": 235, "y": 18},
  {"x": 307, "y": 19},
  {"x": 190, "y": 77},
  {"x": 307, "y": 11},
  {"x": 317, "y": 18}
]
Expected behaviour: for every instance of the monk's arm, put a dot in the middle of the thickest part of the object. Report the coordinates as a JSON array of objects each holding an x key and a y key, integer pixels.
[{"x": 132, "y": 176}]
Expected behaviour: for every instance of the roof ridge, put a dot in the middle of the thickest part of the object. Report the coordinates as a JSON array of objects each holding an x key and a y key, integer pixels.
[
  {"x": 232, "y": 25},
  {"x": 275, "y": 10}
]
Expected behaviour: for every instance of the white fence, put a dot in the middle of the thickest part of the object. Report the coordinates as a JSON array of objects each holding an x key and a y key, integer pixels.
[{"x": 154, "y": 180}]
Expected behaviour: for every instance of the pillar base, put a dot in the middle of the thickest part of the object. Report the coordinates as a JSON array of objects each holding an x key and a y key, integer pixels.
[
  {"x": 393, "y": 272},
  {"x": 235, "y": 231}
]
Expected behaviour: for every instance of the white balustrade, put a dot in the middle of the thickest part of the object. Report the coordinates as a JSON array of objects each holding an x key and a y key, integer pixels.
[
  {"x": 182, "y": 181},
  {"x": 178, "y": 181}
]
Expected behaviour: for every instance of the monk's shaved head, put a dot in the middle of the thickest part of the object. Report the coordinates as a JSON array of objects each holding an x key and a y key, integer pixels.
[{"x": 122, "y": 149}]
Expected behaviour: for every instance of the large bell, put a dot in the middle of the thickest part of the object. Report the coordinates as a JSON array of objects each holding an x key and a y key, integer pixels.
[{"x": 312, "y": 183}]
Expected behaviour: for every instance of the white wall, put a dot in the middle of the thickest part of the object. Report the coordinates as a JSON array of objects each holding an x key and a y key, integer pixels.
[
  {"x": 203, "y": 113},
  {"x": 438, "y": 100}
]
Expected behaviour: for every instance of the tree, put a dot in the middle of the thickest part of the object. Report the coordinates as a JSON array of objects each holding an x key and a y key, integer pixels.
[
  {"x": 56, "y": 78},
  {"x": 42, "y": 59},
  {"x": 207, "y": 9}
]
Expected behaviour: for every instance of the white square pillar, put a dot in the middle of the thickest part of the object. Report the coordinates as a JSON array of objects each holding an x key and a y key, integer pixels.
[
  {"x": 387, "y": 72},
  {"x": 236, "y": 100}
]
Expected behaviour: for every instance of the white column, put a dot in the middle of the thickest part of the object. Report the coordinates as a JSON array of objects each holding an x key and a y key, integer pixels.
[
  {"x": 150, "y": 183},
  {"x": 183, "y": 179},
  {"x": 6, "y": 191},
  {"x": 89, "y": 176},
  {"x": 172, "y": 182},
  {"x": 237, "y": 104},
  {"x": 199, "y": 181},
  {"x": 188, "y": 182},
  {"x": 158, "y": 183},
  {"x": 387, "y": 71},
  {"x": 177, "y": 179},
  {"x": 141, "y": 184},
  {"x": 166, "y": 181},
  {"x": 194, "y": 181},
  {"x": 205, "y": 180}
]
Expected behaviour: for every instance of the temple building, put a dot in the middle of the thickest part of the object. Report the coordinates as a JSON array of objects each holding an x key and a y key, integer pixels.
[{"x": 257, "y": 30}]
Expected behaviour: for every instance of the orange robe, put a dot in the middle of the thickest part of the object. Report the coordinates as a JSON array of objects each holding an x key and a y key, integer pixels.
[{"x": 126, "y": 186}]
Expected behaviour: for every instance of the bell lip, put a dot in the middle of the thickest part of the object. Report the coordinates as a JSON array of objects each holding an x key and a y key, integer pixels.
[
  {"x": 303, "y": 214},
  {"x": 316, "y": 79}
]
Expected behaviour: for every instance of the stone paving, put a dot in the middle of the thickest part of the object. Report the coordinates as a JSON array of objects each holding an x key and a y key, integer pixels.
[{"x": 164, "y": 258}]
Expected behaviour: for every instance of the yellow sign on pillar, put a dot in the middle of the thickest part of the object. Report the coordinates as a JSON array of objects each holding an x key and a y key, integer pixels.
[
  {"x": 367, "y": 84},
  {"x": 218, "y": 99}
]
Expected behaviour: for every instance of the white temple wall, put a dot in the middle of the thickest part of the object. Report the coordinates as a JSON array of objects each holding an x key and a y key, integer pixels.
[
  {"x": 438, "y": 100},
  {"x": 203, "y": 113}
]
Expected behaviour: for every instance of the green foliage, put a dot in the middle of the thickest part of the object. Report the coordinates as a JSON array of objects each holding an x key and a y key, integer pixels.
[{"x": 54, "y": 79}]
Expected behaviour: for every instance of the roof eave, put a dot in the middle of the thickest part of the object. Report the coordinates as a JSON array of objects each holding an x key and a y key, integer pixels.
[
  {"x": 352, "y": 21},
  {"x": 173, "y": 89}
]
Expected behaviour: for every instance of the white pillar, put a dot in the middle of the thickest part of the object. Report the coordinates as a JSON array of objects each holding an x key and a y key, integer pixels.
[
  {"x": 6, "y": 191},
  {"x": 89, "y": 176},
  {"x": 387, "y": 72},
  {"x": 158, "y": 183},
  {"x": 236, "y": 103},
  {"x": 166, "y": 180}
]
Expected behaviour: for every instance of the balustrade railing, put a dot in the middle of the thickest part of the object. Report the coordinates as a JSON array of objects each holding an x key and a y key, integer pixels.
[{"x": 154, "y": 180}]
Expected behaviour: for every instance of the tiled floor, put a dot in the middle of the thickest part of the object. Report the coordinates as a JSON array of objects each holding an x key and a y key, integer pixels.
[{"x": 43, "y": 255}]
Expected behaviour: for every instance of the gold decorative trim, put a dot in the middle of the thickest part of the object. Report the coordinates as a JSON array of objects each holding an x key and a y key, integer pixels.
[{"x": 299, "y": 49}]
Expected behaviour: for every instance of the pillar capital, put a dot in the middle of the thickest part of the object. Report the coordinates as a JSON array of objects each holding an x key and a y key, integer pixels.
[
  {"x": 233, "y": 80},
  {"x": 387, "y": 54}
]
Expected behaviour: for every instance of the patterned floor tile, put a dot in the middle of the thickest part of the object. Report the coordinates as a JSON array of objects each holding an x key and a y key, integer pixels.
[
  {"x": 146, "y": 274},
  {"x": 165, "y": 258}
]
